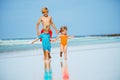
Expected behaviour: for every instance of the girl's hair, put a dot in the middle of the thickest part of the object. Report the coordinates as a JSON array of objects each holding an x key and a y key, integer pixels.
[
  {"x": 45, "y": 9},
  {"x": 63, "y": 28}
]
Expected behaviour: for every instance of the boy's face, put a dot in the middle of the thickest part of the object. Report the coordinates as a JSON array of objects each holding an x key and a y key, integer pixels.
[{"x": 45, "y": 13}]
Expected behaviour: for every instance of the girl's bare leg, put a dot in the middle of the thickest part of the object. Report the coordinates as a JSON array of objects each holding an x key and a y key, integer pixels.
[
  {"x": 61, "y": 50},
  {"x": 65, "y": 52}
]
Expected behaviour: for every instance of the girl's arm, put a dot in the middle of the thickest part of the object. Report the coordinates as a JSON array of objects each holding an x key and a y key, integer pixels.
[
  {"x": 35, "y": 41},
  {"x": 69, "y": 37},
  {"x": 57, "y": 38}
]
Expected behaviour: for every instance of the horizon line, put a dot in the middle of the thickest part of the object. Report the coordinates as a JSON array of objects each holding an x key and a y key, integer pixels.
[{"x": 108, "y": 35}]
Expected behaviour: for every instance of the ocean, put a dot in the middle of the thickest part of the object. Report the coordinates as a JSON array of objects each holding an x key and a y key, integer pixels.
[
  {"x": 9, "y": 45},
  {"x": 88, "y": 58}
]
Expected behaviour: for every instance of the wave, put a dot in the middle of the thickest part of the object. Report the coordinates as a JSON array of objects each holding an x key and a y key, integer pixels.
[
  {"x": 16, "y": 42},
  {"x": 25, "y": 44}
]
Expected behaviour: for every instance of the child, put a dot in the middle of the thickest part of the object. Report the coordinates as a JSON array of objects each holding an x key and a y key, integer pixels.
[
  {"x": 45, "y": 20},
  {"x": 63, "y": 41},
  {"x": 45, "y": 42}
]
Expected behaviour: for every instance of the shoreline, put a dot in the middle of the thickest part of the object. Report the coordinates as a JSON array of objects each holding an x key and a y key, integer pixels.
[
  {"x": 22, "y": 45},
  {"x": 99, "y": 35},
  {"x": 55, "y": 50}
]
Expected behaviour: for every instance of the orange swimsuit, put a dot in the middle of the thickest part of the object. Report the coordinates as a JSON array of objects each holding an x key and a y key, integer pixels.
[{"x": 63, "y": 39}]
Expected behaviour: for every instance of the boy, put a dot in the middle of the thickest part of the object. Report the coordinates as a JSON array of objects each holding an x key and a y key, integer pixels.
[
  {"x": 45, "y": 42},
  {"x": 45, "y": 20}
]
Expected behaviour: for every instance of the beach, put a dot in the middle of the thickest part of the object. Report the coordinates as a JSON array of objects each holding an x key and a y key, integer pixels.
[
  {"x": 90, "y": 28},
  {"x": 96, "y": 59}
]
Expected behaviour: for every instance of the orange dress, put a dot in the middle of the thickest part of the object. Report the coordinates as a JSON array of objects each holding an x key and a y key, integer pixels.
[{"x": 63, "y": 39}]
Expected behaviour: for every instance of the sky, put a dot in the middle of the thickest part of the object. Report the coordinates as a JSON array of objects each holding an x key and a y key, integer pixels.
[{"x": 18, "y": 18}]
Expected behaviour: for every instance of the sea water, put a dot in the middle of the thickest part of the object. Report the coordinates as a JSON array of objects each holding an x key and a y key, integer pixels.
[{"x": 8, "y": 45}]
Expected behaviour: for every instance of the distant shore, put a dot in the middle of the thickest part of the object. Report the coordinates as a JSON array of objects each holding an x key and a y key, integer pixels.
[
  {"x": 111, "y": 35},
  {"x": 104, "y": 35}
]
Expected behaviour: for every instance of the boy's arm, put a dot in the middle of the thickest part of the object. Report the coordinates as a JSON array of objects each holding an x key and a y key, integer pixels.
[
  {"x": 37, "y": 26},
  {"x": 54, "y": 40},
  {"x": 35, "y": 41},
  {"x": 53, "y": 25}
]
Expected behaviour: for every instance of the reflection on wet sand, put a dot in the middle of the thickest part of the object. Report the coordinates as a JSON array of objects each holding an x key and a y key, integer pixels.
[
  {"x": 65, "y": 72},
  {"x": 47, "y": 71}
]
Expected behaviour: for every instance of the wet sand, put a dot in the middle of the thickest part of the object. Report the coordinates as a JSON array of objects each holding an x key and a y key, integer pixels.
[{"x": 87, "y": 62}]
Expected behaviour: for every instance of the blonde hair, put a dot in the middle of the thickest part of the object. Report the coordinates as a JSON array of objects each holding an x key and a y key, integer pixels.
[
  {"x": 46, "y": 28},
  {"x": 63, "y": 28},
  {"x": 45, "y": 9}
]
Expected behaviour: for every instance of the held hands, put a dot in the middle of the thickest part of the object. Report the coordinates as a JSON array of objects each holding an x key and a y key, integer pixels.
[{"x": 53, "y": 40}]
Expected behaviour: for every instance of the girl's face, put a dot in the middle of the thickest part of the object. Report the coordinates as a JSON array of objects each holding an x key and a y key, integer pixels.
[
  {"x": 64, "y": 31},
  {"x": 45, "y": 13}
]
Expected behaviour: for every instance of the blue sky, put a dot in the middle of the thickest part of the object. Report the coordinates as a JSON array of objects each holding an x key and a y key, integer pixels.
[{"x": 83, "y": 17}]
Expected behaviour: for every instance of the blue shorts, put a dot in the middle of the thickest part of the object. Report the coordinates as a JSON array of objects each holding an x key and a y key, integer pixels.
[
  {"x": 45, "y": 41},
  {"x": 47, "y": 48}
]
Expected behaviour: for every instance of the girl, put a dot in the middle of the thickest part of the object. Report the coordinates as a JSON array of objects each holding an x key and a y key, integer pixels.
[{"x": 63, "y": 41}]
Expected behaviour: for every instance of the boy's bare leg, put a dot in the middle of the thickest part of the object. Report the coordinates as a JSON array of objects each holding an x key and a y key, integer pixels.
[
  {"x": 47, "y": 55},
  {"x": 44, "y": 55}
]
